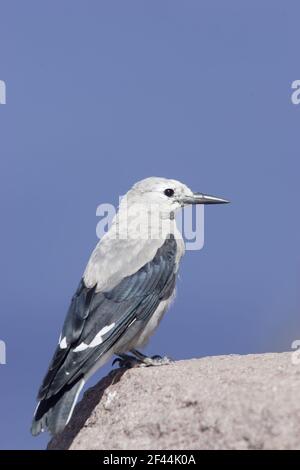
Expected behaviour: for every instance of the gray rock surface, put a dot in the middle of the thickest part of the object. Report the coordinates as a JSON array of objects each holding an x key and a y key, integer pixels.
[{"x": 225, "y": 402}]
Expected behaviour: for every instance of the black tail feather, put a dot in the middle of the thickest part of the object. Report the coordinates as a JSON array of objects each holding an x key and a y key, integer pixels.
[{"x": 54, "y": 413}]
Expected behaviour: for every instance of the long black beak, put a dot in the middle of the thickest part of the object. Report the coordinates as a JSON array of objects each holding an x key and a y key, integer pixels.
[{"x": 199, "y": 198}]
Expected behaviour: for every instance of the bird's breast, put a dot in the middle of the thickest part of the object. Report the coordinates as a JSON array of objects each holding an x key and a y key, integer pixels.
[{"x": 153, "y": 323}]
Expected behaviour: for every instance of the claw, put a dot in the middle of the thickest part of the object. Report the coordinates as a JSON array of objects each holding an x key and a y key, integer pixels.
[
  {"x": 126, "y": 361},
  {"x": 117, "y": 360}
]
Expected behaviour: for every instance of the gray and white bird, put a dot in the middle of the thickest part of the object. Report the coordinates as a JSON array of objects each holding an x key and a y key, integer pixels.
[{"x": 126, "y": 288}]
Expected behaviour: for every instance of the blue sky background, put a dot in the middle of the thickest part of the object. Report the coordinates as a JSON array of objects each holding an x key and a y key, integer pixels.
[{"x": 103, "y": 93}]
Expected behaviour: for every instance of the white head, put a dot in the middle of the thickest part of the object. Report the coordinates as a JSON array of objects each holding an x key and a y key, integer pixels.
[
  {"x": 167, "y": 195},
  {"x": 148, "y": 209}
]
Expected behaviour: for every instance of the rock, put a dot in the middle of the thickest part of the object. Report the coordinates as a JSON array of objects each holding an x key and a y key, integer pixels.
[{"x": 225, "y": 402}]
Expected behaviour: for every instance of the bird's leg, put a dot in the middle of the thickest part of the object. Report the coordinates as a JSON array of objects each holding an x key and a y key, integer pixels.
[
  {"x": 126, "y": 361},
  {"x": 151, "y": 361},
  {"x": 138, "y": 355}
]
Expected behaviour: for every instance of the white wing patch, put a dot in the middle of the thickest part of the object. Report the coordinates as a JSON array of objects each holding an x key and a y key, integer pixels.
[
  {"x": 63, "y": 343},
  {"x": 96, "y": 341}
]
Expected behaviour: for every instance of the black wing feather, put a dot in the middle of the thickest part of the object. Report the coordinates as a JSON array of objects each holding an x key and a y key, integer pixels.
[{"x": 136, "y": 297}]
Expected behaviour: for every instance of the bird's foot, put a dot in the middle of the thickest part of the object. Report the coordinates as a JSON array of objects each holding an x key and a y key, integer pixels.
[
  {"x": 153, "y": 360},
  {"x": 157, "y": 361},
  {"x": 126, "y": 361}
]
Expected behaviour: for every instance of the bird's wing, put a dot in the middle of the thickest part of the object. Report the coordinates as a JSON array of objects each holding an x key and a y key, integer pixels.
[
  {"x": 97, "y": 320},
  {"x": 115, "y": 258}
]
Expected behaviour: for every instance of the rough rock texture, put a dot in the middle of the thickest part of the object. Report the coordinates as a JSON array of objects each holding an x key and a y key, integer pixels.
[{"x": 225, "y": 402}]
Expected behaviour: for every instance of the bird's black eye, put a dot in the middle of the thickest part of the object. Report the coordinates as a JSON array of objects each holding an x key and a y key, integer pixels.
[{"x": 169, "y": 192}]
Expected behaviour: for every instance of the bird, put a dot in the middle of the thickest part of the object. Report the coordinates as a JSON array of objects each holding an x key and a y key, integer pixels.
[{"x": 127, "y": 286}]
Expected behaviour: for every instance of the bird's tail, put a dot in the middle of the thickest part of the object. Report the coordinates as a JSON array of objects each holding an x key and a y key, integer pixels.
[{"x": 55, "y": 412}]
